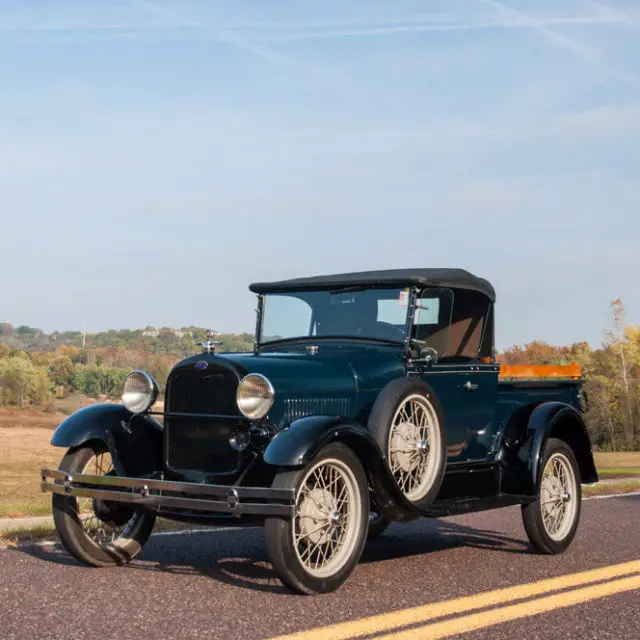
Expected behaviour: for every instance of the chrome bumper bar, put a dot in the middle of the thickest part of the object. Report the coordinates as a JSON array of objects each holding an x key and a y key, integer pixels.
[{"x": 176, "y": 495}]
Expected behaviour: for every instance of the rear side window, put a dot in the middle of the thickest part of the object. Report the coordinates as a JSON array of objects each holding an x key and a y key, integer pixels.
[
  {"x": 433, "y": 318},
  {"x": 453, "y": 324}
]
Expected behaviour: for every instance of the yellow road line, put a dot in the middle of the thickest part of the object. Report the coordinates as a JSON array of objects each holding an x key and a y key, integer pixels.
[
  {"x": 490, "y": 618},
  {"x": 425, "y": 613}
]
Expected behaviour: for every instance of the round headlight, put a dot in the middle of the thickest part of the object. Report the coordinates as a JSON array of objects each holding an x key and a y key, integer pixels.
[
  {"x": 139, "y": 391},
  {"x": 255, "y": 396}
]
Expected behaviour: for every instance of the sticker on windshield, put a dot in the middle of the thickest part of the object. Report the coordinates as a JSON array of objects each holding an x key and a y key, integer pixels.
[{"x": 403, "y": 299}]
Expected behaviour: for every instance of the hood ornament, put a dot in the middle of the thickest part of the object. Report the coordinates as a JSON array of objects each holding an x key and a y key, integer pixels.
[{"x": 210, "y": 345}]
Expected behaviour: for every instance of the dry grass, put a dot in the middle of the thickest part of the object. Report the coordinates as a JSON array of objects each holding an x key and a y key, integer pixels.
[
  {"x": 16, "y": 418},
  {"x": 628, "y": 486},
  {"x": 627, "y": 459},
  {"x": 24, "y": 450},
  {"x": 618, "y": 465}
]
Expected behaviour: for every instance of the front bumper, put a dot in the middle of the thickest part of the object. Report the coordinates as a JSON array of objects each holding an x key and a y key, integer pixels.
[{"x": 212, "y": 498}]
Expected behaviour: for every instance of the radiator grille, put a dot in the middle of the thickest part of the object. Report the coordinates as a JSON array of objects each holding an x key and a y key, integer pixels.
[{"x": 201, "y": 444}]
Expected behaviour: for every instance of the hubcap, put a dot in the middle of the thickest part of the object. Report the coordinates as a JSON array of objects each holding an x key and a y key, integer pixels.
[{"x": 414, "y": 440}]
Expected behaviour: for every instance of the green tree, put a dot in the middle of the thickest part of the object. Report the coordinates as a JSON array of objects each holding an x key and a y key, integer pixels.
[
  {"x": 22, "y": 383},
  {"x": 62, "y": 372}
]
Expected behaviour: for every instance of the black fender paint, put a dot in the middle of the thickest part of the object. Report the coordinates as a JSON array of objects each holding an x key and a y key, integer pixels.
[
  {"x": 134, "y": 441},
  {"x": 296, "y": 445},
  {"x": 523, "y": 472}
]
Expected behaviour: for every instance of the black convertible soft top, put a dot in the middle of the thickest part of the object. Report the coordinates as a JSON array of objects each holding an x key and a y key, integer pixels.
[{"x": 453, "y": 278}]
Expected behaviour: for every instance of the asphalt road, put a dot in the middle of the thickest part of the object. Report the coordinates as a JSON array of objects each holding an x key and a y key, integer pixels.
[{"x": 219, "y": 584}]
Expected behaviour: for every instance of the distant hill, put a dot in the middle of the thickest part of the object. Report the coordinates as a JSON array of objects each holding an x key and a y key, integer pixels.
[{"x": 151, "y": 340}]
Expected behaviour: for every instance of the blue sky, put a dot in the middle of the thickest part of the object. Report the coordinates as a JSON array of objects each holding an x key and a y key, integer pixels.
[{"x": 157, "y": 156}]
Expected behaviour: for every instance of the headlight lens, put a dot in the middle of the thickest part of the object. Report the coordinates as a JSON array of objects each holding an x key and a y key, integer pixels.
[
  {"x": 255, "y": 396},
  {"x": 139, "y": 391}
]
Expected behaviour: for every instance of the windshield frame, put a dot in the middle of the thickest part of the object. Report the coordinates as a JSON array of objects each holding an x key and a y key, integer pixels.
[{"x": 404, "y": 343}]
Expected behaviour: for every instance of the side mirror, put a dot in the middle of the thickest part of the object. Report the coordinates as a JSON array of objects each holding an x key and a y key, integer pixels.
[{"x": 429, "y": 355}]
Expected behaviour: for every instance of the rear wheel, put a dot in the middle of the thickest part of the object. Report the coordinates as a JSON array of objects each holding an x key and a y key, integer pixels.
[
  {"x": 552, "y": 520},
  {"x": 97, "y": 532},
  {"x": 317, "y": 549}
]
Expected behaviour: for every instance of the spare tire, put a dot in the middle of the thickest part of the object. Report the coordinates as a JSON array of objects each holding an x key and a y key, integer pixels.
[{"x": 408, "y": 423}]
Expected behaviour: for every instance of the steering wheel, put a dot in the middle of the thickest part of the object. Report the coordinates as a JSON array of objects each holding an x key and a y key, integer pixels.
[{"x": 375, "y": 332}]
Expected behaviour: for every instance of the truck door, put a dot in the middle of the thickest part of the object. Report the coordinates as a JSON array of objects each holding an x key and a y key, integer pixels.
[{"x": 454, "y": 324}]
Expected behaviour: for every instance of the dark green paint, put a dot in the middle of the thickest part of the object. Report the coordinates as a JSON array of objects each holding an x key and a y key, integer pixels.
[{"x": 135, "y": 442}]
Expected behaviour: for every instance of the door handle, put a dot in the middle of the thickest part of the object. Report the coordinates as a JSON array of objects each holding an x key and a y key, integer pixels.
[{"x": 470, "y": 386}]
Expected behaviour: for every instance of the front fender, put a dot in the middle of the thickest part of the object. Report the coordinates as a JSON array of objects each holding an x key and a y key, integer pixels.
[
  {"x": 296, "y": 446},
  {"x": 134, "y": 441},
  {"x": 550, "y": 419}
]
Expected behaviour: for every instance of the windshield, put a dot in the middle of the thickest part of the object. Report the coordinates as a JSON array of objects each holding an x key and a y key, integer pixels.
[{"x": 379, "y": 314}]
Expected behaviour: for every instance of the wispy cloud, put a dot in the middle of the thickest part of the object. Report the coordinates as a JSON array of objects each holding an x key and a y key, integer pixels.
[
  {"x": 223, "y": 36},
  {"x": 386, "y": 29},
  {"x": 608, "y": 120},
  {"x": 615, "y": 13},
  {"x": 248, "y": 33},
  {"x": 575, "y": 48}
]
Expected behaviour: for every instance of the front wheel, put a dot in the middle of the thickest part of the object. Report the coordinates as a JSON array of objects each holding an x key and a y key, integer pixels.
[
  {"x": 317, "y": 549},
  {"x": 552, "y": 520},
  {"x": 97, "y": 532}
]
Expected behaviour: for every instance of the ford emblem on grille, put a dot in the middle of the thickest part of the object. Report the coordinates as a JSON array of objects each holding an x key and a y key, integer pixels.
[{"x": 202, "y": 364}]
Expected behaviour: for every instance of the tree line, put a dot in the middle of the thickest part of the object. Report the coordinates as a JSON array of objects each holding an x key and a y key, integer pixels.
[
  {"x": 612, "y": 379},
  {"x": 36, "y": 368}
]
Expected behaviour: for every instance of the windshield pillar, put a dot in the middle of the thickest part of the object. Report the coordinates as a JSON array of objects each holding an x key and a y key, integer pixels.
[
  {"x": 411, "y": 304},
  {"x": 259, "y": 316}
]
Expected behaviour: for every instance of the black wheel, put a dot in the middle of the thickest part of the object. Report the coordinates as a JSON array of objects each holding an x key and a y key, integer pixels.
[
  {"x": 552, "y": 520},
  {"x": 97, "y": 532},
  {"x": 316, "y": 550},
  {"x": 407, "y": 422},
  {"x": 377, "y": 525}
]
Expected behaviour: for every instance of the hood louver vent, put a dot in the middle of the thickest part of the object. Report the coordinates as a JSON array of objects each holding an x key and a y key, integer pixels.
[{"x": 296, "y": 408}]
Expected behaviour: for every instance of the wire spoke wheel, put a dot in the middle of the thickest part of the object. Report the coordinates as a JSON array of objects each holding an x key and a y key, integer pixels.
[
  {"x": 102, "y": 522},
  {"x": 414, "y": 446},
  {"x": 558, "y": 496},
  {"x": 316, "y": 549},
  {"x": 551, "y": 521},
  {"x": 324, "y": 527},
  {"x": 99, "y": 533}
]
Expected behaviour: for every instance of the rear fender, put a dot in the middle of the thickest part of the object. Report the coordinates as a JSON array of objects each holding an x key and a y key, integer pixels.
[
  {"x": 134, "y": 440},
  {"x": 523, "y": 471},
  {"x": 296, "y": 446}
]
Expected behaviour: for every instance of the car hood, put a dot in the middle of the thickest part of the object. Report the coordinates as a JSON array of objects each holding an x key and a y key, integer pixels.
[{"x": 329, "y": 382}]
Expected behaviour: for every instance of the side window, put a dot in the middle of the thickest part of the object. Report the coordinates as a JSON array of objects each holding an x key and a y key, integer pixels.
[
  {"x": 433, "y": 318},
  {"x": 428, "y": 311},
  {"x": 453, "y": 325}
]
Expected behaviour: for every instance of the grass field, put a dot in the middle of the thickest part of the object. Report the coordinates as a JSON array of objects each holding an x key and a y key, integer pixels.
[
  {"x": 24, "y": 451},
  {"x": 24, "y": 448},
  {"x": 618, "y": 465}
]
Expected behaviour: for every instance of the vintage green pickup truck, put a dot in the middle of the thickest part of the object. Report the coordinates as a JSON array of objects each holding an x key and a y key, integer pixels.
[{"x": 369, "y": 398}]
